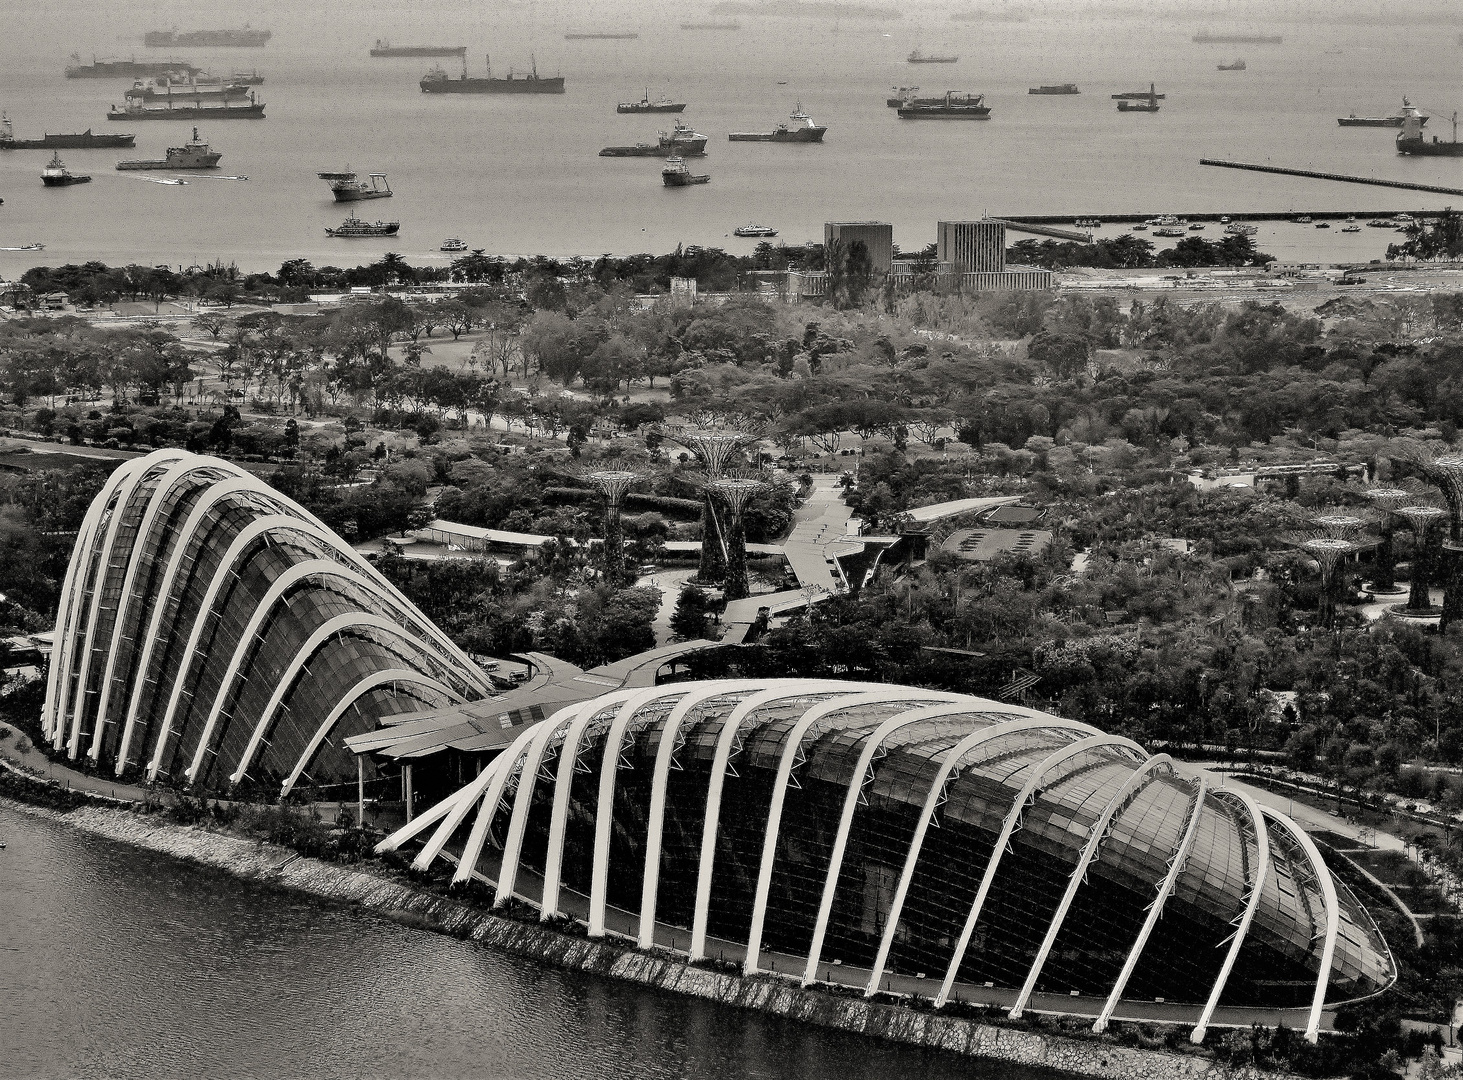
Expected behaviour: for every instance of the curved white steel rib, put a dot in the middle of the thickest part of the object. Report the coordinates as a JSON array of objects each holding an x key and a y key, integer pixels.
[
  {"x": 949, "y": 766},
  {"x": 784, "y": 772},
  {"x": 508, "y": 761},
  {"x": 1119, "y": 802},
  {"x": 655, "y": 831},
  {"x": 461, "y": 798},
  {"x": 1257, "y": 889},
  {"x": 729, "y": 733},
  {"x": 1155, "y": 910},
  {"x": 363, "y": 686},
  {"x": 1013, "y": 816},
  {"x": 1333, "y": 916}
]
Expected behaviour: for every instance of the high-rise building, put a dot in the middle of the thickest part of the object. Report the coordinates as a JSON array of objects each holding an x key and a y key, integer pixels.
[
  {"x": 877, "y": 237},
  {"x": 977, "y": 247}
]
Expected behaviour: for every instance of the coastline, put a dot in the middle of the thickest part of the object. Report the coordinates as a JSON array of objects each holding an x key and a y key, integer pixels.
[{"x": 282, "y": 867}]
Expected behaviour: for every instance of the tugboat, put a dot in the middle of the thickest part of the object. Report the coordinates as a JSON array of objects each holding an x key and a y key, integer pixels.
[
  {"x": 1410, "y": 140},
  {"x": 453, "y": 244},
  {"x": 1149, "y": 106},
  {"x": 355, "y": 227},
  {"x": 87, "y": 140},
  {"x": 800, "y": 130},
  {"x": 918, "y": 57},
  {"x": 1238, "y": 65},
  {"x": 194, "y": 154},
  {"x": 57, "y": 175},
  {"x": 675, "y": 174},
  {"x": 754, "y": 230},
  {"x": 385, "y": 48},
  {"x": 438, "y": 81},
  {"x": 347, "y": 188},
  {"x": 1382, "y": 121},
  {"x": 645, "y": 105},
  {"x": 684, "y": 140},
  {"x": 952, "y": 106}
]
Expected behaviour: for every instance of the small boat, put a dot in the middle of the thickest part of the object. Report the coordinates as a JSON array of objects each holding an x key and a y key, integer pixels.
[
  {"x": 1304, "y": 219},
  {"x": 754, "y": 230},
  {"x": 453, "y": 244},
  {"x": 676, "y": 174},
  {"x": 1197, "y": 226},
  {"x": 56, "y": 174},
  {"x": 1323, "y": 224},
  {"x": 1238, "y": 65},
  {"x": 1239, "y": 228},
  {"x": 662, "y": 104},
  {"x": 1088, "y": 223},
  {"x": 1168, "y": 230},
  {"x": 1352, "y": 228},
  {"x": 918, "y": 57},
  {"x": 1142, "y": 226},
  {"x": 355, "y": 227},
  {"x": 1224, "y": 219}
]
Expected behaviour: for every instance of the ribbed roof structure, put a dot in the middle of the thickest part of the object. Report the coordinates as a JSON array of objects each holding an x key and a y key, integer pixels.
[
  {"x": 212, "y": 631},
  {"x": 904, "y": 831}
]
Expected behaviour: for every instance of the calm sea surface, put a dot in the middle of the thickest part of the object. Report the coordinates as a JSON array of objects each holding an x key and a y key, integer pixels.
[
  {"x": 520, "y": 175},
  {"x": 119, "y": 963}
]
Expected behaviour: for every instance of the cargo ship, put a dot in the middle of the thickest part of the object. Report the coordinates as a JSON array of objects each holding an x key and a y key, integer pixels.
[
  {"x": 953, "y": 106},
  {"x": 799, "y": 129},
  {"x": 438, "y": 81},
  {"x": 192, "y": 88},
  {"x": 1062, "y": 88},
  {"x": 1410, "y": 139},
  {"x": 246, "y": 78},
  {"x": 347, "y": 187},
  {"x": 730, "y": 25},
  {"x": 1139, "y": 95},
  {"x": 194, "y": 154},
  {"x": 675, "y": 174},
  {"x": 190, "y": 110},
  {"x": 355, "y": 227},
  {"x": 56, "y": 174},
  {"x": 600, "y": 37},
  {"x": 1237, "y": 65},
  {"x": 1148, "y": 105},
  {"x": 661, "y": 105},
  {"x": 127, "y": 69},
  {"x": 208, "y": 39},
  {"x": 1381, "y": 121},
  {"x": 385, "y": 48},
  {"x": 917, "y": 57},
  {"x": 87, "y": 140},
  {"x": 1237, "y": 39}
]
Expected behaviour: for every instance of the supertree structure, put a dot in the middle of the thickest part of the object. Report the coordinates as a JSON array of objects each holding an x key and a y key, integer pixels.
[
  {"x": 1448, "y": 472},
  {"x": 735, "y": 492},
  {"x": 613, "y": 485},
  {"x": 1386, "y": 500},
  {"x": 1421, "y": 519},
  {"x": 1328, "y": 551},
  {"x": 713, "y": 447},
  {"x": 1339, "y": 526}
]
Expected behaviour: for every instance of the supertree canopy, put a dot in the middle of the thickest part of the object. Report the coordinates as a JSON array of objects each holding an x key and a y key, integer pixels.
[
  {"x": 735, "y": 491},
  {"x": 613, "y": 485},
  {"x": 714, "y": 447}
]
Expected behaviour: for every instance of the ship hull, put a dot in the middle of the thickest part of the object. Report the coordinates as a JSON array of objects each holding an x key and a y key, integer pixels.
[
  {"x": 388, "y": 230},
  {"x": 85, "y": 141},
  {"x": 492, "y": 86},
  {"x": 1137, "y": 95},
  {"x": 64, "y": 181},
  {"x": 1124, "y": 106},
  {"x": 1423, "y": 148},
  {"x": 188, "y": 112},
  {"x": 934, "y": 60},
  {"x": 208, "y": 39},
  {"x": 648, "y": 150},
  {"x": 636, "y": 107},
  {"x": 1375, "y": 121},
  {"x": 941, "y": 113},
  {"x": 129, "y": 69},
  {"x": 683, "y": 179},
  {"x": 600, "y": 37},
  {"x": 802, "y": 135},
  {"x": 1053, "y": 91},
  {"x": 421, "y": 50},
  {"x": 1238, "y": 39},
  {"x": 356, "y": 195},
  {"x": 193, "y": 96}
]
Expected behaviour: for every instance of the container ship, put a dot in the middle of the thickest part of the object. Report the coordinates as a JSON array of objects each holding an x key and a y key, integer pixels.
[
  {"x": 1237, "y": 39},
  {"x": 676, "y": 174},
  {"x": 645, "y": 105},
  {"x": 87, "y": 140},
  {"x": 1382, "y": 121},
  {"x": 798, "y": 129},
  {"x": 385, "y": 48},
  {"x": 56, "y": 174},
  {"x": 1410, "y": 139},
  {"x": 208, "y": 39},
  {"x": 346, "y": 187},
  {"x": 355, "y": 227},
  {"x": 194, "y": 154},
  {"x": 1063, "y": 88},
  {"x": 438, "y": 81},
  {"x": 190, "y": 110},
  {"x": 953, "y": 106},
  {"x": 127, "y": 69}
]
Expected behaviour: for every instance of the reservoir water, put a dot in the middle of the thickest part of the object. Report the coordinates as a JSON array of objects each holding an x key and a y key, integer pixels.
[
  {"x": 122, "y": 963},
  {"x": 520, "y": 174}
]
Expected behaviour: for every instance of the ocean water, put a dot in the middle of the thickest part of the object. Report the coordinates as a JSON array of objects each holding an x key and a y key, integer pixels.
[{"x": 521, "y": 175}]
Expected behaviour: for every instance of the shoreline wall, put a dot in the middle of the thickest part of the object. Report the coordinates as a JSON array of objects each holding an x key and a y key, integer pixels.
[{"x": 266, "y": 863}]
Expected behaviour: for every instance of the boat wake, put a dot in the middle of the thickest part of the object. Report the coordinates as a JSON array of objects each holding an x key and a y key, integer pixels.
[{"x": 162, "y": 180}]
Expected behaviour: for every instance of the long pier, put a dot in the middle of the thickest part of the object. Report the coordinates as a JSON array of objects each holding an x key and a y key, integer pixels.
[
  {"x": 1338, "y": 177},
  {"x": 1036, "y": 228}
]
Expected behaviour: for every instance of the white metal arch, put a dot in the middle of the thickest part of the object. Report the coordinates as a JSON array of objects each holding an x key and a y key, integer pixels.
[
  {"x": 670, "y": 736},
  {"x": 1333, "y": 915},
  {"x": 1018, "y": 807},
  {"x": 730, "y": 731},
  {"x": 363, "y": 686},
  {"x": 261, "y": 614},
  {"x": 1176, "y": 866},
  {"x": 181, "y": 469},
  {"x": 1120, "y": 801},
  {"x": 784, "y": 772},
  {"x": 459, "y": 799},
  {"x": 523, "y": 798},
  {"x": 509, "y": 760},
  {"x": 950, "y": 767},
  {"x": 327, "y": 630},
  {"x": 111, "y": 512},
  {"x": 599, "y": 881},
  {"x": 1257, "y": 889}
]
